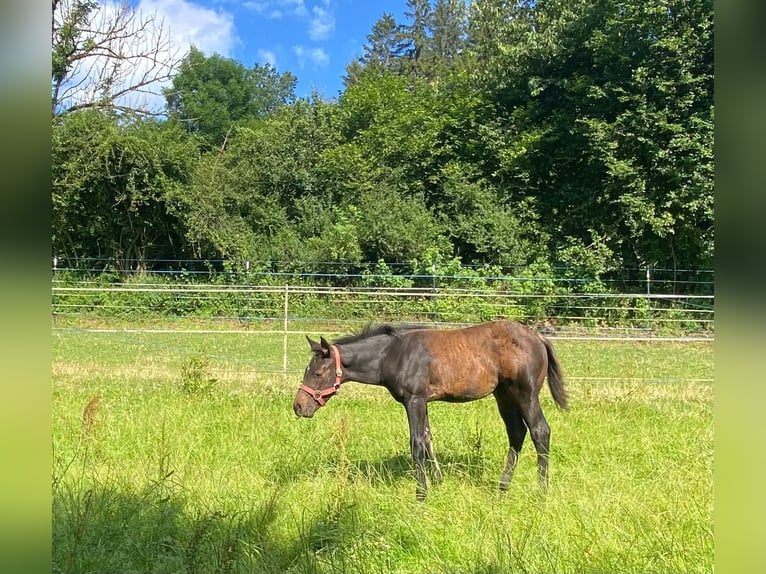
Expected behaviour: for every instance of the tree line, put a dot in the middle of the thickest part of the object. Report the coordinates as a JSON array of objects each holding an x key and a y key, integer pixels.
[{"x": 549, "y": 133}]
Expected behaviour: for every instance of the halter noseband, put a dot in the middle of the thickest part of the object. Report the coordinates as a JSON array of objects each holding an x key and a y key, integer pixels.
[{"x": 324, "y": 395}]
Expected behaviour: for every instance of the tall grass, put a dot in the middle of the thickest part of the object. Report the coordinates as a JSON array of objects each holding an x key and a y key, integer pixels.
[{"x": 154, "y": 473}]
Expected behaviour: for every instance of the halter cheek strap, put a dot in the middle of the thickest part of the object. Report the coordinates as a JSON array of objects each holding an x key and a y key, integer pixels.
[{"x": 324, "y": 395}]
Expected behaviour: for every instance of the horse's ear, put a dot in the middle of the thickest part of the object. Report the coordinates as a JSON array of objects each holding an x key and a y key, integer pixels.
[
  {"x": 315, "y": 347},
  {"x": 325, "y": 347}
]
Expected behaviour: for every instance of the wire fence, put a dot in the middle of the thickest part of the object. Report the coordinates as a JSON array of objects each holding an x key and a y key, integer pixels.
[
  {"x": 284, "y": 305},
  {"x": 375, "y": 274},
  {"x": 290, "y": 309}
]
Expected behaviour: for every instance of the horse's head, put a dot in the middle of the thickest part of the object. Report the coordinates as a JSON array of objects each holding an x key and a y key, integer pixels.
[{"x": 321, "y": 379}]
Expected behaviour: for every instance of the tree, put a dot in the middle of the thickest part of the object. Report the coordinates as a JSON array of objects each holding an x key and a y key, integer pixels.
[
  {"x": 382, "y": 53},
  {"x": 483, "y": 228},
  {"x": 448, "y": 31},
  {"x": 212, "y": 94},
  {"x": 108, "y": 56},
  {"x": 426, "y": 46},
  {"x": 416, "y": 39},
  {"x": 606, "y": 110},
  {"x": 394, "y": 120},
  {"x": 490, "y": 24},
  {"x": 397, "y": 227},
  {"x": 227, "y": 212},
  {"x": 116, "y": 188},
  {"x": 575, "y": 132},
  {"x": 247, "y": 199}
]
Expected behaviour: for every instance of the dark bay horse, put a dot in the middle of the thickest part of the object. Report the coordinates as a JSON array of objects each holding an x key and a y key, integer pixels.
[{"x": 418, "y": 365}]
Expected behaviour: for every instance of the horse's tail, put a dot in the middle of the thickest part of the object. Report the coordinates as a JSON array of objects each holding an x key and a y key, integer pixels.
[{"x": 555, "y": 376}]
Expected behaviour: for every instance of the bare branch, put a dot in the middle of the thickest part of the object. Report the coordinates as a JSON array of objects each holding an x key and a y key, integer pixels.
[{"x": 109, "y": 56}]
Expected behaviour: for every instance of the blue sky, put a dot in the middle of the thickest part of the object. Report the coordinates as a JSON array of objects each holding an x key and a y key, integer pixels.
[{"x": 312, "y": 39}]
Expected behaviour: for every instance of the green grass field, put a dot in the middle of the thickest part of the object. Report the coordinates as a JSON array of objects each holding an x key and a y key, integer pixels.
[{"x": 181, "y": 453}]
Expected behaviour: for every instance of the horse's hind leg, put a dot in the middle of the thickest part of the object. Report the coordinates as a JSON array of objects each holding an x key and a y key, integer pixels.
[
  {"x": 516, "y": 429},
  {"x": 540, "y": 433}
]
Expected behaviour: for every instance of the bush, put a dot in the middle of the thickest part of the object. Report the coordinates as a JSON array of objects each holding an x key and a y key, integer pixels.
[{"x": 196, "y": 377}]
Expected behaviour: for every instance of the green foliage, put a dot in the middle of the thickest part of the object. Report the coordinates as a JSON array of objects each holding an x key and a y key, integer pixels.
[
  {"x": 482, "y": 228},
  {"x": 382, "y": 52},
  {"x": 396, "y": 228},
  {"x": 337, "y": 240},
  {"x": 381, "y": 275},
  {"x": 115, "y": 188},
  {"x": 228, "y": 211},
  {"x": 196, "y": 377},
  {"x": 587, "y": 262},
  {"x": 609, "y": 106},
  {"x": 568, "y": 134},
  {"x": 395, "y": 122},
  {"x": 212, "y": 95}
]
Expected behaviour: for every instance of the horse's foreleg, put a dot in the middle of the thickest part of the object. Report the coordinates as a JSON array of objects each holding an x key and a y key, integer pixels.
[
  {"x": 436, "y": 471},
  {"x": 417, "y": 415}
]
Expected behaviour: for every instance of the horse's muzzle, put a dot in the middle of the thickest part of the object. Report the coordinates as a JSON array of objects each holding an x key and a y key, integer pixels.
[{"x": 304, "y": 411}]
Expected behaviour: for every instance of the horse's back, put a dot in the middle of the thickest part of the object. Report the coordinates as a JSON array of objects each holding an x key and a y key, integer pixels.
[{"x": 467, "y": 364}]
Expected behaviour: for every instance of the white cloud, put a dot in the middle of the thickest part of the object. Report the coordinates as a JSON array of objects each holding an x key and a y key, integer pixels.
[
  {"x": 277, "y": 9},
  {"x": 322, "y": 23},
  {"x": 268, "y": 57},
  {"x": 316, "y": 56},
  {"x": 208, "y": 30}
]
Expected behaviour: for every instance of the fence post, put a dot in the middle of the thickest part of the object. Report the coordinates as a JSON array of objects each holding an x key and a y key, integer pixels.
[
  {"x": 649, "y": 299},
  {"x": 434, "y": 302},
  {"x": 284, "y": 335}
]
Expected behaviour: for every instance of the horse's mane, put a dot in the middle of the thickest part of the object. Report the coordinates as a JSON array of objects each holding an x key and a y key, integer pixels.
[{"x": 373, "y": 330}]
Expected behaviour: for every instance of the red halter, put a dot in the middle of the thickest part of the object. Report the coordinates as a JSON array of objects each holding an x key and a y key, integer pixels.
[{"x": 324, "y": 395}]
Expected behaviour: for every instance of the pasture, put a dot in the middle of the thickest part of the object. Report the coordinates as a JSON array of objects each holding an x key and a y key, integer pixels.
[{"x": 179, "y": 452}]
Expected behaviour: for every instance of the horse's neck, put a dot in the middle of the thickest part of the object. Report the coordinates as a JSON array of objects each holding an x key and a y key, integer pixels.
[{"x": 362, "y": 359}]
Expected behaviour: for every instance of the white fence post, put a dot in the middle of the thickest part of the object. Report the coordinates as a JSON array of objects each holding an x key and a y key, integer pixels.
[
  {"x": 284, "y": 336},
  {"x": 649, "y": 299}
]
